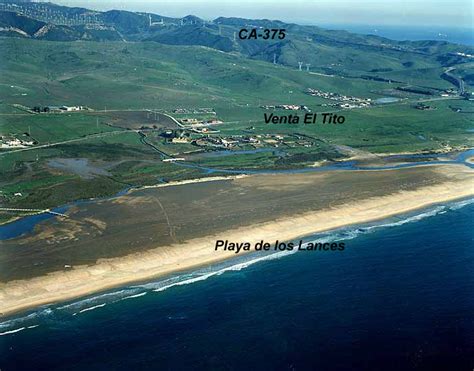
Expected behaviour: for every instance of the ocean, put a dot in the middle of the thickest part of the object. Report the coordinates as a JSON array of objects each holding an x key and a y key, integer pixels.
[
  {"x": 457, "y": 35},
  {"x": 399, "y": 297}
]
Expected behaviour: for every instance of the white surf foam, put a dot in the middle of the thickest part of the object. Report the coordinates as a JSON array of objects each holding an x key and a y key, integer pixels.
[
  {"x": 134, "y": 296},
  {"x": 90, "y": 308},
  {"x": 164, "y": 285},
  {"x": 343, "y": 234},
  {"x": 410, "y": 219},
  {"x": 12, "y": 322},
  {"x": 95, "y": 299},
  {"x": 186, "y": 279},
  {"x": 460, "y": 204},
  {"x": 12, "y": 331}
]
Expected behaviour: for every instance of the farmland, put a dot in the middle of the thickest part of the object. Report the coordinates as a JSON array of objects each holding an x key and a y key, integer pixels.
[{"x": 128, "y": 86}]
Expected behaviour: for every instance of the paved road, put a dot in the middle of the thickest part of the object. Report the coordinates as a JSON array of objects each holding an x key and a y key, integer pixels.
[
  {"x": 92, "y": 136},
  {"x": 460, "y": 82}
]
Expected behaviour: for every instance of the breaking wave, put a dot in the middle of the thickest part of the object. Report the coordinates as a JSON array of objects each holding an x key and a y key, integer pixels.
[
  {"x": 62, "y": 312},
  {"x": 90, "y": 308}
]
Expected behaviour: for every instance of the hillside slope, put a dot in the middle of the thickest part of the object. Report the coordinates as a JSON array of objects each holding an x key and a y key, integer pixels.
[{"x": 326, "y": 51}]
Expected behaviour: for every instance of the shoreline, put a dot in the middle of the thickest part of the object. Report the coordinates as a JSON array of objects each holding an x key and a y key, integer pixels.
[{"x": 60, "y": 286}]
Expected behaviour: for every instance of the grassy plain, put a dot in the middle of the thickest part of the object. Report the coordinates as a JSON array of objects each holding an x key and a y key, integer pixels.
[{"x": 147, "y": 75}]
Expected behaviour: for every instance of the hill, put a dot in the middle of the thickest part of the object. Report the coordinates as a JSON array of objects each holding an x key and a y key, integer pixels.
[
  {"x": 326, "y": 51},
  {"x": 133, "y": 68}
]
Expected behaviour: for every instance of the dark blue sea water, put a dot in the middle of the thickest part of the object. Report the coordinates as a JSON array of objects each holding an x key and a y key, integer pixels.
[{"x": 399, "y": 297}]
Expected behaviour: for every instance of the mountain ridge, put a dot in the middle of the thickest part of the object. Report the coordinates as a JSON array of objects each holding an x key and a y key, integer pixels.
[{"x": 326, "y": 50}]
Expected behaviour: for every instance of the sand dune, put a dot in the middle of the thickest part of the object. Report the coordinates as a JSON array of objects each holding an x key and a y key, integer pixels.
[{"x": 457, "y": 182}]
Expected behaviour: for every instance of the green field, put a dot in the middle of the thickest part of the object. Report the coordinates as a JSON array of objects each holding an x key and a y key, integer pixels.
[{"x": 118, "y": 76}]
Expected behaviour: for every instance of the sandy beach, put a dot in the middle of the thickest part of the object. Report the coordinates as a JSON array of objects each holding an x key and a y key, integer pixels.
[{"x": 17, "y": 295}]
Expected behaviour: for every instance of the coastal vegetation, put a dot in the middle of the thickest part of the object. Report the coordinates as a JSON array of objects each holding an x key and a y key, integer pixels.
[{"x": 124, "y": 85}]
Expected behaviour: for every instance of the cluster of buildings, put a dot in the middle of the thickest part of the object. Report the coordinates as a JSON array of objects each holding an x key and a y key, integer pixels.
[
  {"x": 216, "y": 142},
  {"x": 207, "y": 142},
  {"x": 287, "y": 107},
  {"x": 255, "y": 141},
  {"x": 200, "y": 126},
  {"x": 196, "y": 122},
  {"x": 448, "y": 92},
  {"x": 184, "y": 136},
  {"x": 290, "y": 141},
  {"x": 11, "y": 142},
  {"x": 58, "y": 109},
  {"x": 344, "y": 101},
  {"x": 227, "y": 142},
  {"x": 194, "y": 111}
]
